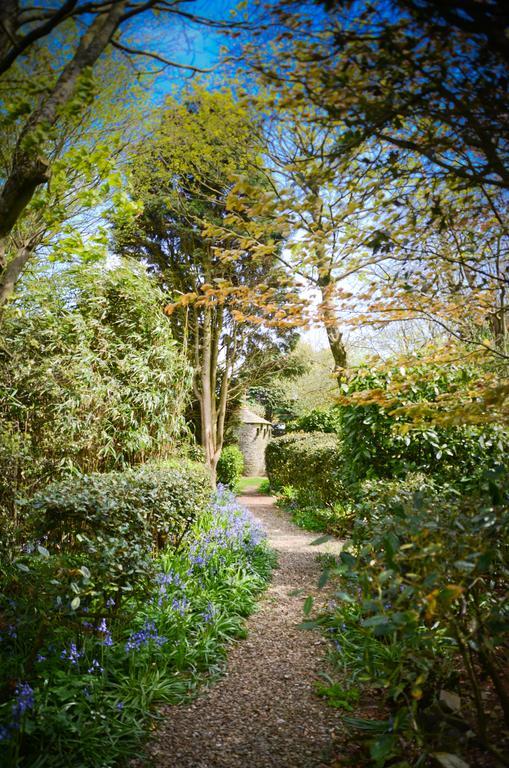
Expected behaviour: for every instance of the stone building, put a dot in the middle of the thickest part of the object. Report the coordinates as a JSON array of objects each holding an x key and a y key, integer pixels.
[{"x": 254, "y": 434}]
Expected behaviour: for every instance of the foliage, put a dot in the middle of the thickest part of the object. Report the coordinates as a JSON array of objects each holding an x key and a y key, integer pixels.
[
  {"x": 91, "y": 378},
  {"x": 422, "y": 612},
  {"x": 379, "y": 438},
  {"x": 310, "y": 462},
  {"x": 230, "y": 466},
  {"x": 317, "y": 420},
  {"x": 95, "y": 671}
]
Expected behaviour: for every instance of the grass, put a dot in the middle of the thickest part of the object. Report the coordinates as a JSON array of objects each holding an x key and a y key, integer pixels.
[{"x": 259, "y": 484}]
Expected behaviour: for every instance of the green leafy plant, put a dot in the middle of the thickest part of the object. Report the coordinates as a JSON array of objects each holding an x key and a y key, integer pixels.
[
  {"x": 230, "y": 466},
  {"x": 79, "y": 682},
  {"x": 310, "y": 462}
]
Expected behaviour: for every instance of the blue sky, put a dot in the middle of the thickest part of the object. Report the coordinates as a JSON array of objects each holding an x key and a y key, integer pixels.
[{"x": 181, "y": 41}]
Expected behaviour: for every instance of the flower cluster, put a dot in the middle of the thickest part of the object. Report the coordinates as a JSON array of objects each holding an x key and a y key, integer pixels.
[
  {"x": 165, "y": 581},
  {"x": 233, "y": 528},
  {"x": 24, "y": 700},
  {"x": 179, "y": 605},
  {"x": 210, "y": 613},
  {"x": 103, "y": 629},
  {"x": 145, "y": 636},
  {"x": 72, "y": 654}
]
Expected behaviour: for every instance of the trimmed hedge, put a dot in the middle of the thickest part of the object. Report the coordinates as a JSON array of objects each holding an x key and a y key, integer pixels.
[
  {"x": 110, "y": 525},
  {"x": 311, "y": 462},
  {"x": 230, "y": 466}
]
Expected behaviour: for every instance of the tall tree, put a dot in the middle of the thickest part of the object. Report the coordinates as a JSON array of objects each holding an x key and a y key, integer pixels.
[{"x": 227, "y": 305}]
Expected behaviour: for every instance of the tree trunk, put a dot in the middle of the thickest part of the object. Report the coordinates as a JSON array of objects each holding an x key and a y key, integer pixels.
[
  {"x": 29, "y": 169},
  {"x": 11, "y": 274},
  {"x": 334, "y": 335}
]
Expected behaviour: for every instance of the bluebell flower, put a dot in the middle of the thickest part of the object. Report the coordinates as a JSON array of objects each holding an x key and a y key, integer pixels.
[
  {"x": 103, "y": 628},
  {"x": 24, "y": 699},
  {"x": 144, "y": 636},
  {"x": 95, "y": 667},
  {"x": 71, "y": 654}
]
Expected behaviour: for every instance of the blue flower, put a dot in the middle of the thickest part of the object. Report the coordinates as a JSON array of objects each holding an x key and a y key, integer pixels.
[
  {"x": 24, "y": 699},
  {"x": 72, "y": 654},
  {"x": 103, "y": 628},
  {"x": 95, "y": 667},
  {"x": 144, "y": 636}
]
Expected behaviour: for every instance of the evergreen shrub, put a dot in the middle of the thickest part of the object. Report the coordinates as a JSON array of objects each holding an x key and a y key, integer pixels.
[
  {"x": 311, "y": 462},
  {"x": 230, "y": 466}
]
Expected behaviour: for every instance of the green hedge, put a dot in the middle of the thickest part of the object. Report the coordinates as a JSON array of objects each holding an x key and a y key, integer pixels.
[
  {"x": 230, "y": 466},
  {"x": 110, "y": 525},
  {"x": 317, "y": 420},
  {"x": 311, "y": 462}
]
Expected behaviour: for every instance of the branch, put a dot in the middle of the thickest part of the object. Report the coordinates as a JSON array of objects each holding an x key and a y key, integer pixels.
[
  {"x": 36, "y": 34},
  {"x": 157, "y": 57}
]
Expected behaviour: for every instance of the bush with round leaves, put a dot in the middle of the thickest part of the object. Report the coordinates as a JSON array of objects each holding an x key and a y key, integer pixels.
[{"x": 230, "y": 466}]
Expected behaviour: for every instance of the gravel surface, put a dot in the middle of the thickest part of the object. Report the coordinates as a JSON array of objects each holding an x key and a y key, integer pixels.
[{"x": 263, "y": 712}]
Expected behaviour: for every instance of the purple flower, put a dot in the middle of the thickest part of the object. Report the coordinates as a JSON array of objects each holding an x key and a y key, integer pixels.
[
  {"x": 179, "y": 606},
  {"x": 5, "y": 733},
  {"x": 209, "y": 614},
  {"x": 40, "y": 658},
  {"x": 72, "y": 654},
  {"x": 95, "y": 667},
  {"x": 120, "y": 706},
  {"x": 103, "y": 628},
  {"x": 110, "y": 602},
  {"x": 24, "y": 700},
  {"x": 144, "y": 637}
]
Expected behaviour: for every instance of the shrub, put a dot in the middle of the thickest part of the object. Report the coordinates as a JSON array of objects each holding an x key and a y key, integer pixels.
[
  {"x": 317, "y": 420},
  {"x": 310, "y": 462},
  {"x": 91, "y": 379},
  {"x": 424, "y": 612},
  {"x": 230, "y": 466},
  {"x": 381, "y": 441},
  {"x": 107, "y": 527}
]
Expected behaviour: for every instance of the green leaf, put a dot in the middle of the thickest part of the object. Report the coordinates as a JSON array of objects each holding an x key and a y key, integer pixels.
[
  {"x": 308, "y": 604},
  {"x": 23, "y": 567},
  {"x": 84, "y": 570},
  {"x": 324, "y": 578},
  {"x": 322, "y": 540},
  {"x": 43, "y": 551},
  {"x": 75, "y": 603}
]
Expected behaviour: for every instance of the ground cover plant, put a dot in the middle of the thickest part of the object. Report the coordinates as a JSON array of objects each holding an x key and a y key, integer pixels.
[{"x": 101, "y": 622}]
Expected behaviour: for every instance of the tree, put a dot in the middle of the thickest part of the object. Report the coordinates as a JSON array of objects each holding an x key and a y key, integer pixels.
[
  {"x": 71, "y": 86},
  {"x": 417, "y": 106},
  {"x": 227, "y": 308},
  {"x": 66, "y": 219}
]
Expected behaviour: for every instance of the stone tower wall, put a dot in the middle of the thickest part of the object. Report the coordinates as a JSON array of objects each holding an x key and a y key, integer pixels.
[{"x": 253, "y": 439}]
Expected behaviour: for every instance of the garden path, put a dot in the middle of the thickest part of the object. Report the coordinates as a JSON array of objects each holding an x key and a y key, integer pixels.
[{"x": 263, "y": 712}]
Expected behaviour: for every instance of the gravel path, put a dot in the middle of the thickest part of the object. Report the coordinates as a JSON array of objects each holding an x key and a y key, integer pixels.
[{"x": 262, "y": 713}]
